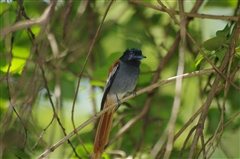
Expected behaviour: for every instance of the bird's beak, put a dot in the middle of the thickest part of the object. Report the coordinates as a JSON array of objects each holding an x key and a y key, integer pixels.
[{"x": 139, "y": 57}]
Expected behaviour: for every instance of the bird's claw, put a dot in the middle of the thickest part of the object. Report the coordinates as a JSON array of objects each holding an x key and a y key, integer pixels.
[
  {"x": 134, "y": 93},
  {"x": 119, "y": 103}
]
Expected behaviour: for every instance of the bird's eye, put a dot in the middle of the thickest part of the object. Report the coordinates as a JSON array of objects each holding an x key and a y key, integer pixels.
[{"x": 131, "y": 54}]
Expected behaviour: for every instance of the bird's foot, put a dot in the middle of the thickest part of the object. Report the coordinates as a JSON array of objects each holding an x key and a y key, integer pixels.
[
  {"x": 119, "y": 103},
  {"x": 134, "y": 93}
]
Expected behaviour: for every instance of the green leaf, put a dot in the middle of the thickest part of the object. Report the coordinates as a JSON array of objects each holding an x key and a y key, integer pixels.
[
  {"x": 3, "y": 7},
  {"x": 3, "y": 61},
  {"x": 214, "y": 43},
  {"x": 97, "y": 83},
  {"x": 238, "y": 43},
  {"x": 81, "y": 151},
  {"x": 221, "y": 53},
  {"x": 225, "y": 32},
  {"x": 237, "y": 49},
  {"x": 221, "y": 3},
  {"x": 35, "y": 30},
  {"x": 20, "y": 55},
  {"x": 67, "y": 87},
  {"x": 213, "y": 117},
  {"x": 198, "y": 59}
]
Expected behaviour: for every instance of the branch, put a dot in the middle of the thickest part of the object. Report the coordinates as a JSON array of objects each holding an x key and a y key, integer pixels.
[
  {"x": 29, "y": 23},
  {"x": 82, "y": 71},
  {"x": 178, "y": 86},
  {"x": 169, "y": 11},
  {"x": 191, "y": 15},
  {"x": 213, "y": 90},
  {"x": 96, "y": 116},
  {"x": 147, "y": 104}
]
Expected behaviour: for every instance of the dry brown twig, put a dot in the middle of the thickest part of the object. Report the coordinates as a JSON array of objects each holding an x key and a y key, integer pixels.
[
  {"x": 144, "y": 90},
  {"x": 211, "y": 94},
  {"x": 12, "y": 101},
  {"x": 219, "y": 131},
  {"x": 29, "y": 23},
  {"x": 190, "y": 15},
  {"x": 198, "y": 47},
  {"x": 178, "y": 86},
  {"x": 82, "y": 71},
  {"x": 139, "y": 2},
  {"x": 161, "y": 140},
  {"x": 44, "y": 21},
  {"x": 154, "y": 151}
]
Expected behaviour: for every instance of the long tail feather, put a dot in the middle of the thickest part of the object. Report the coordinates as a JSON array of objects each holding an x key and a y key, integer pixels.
[{"x": 102, "y": 135}]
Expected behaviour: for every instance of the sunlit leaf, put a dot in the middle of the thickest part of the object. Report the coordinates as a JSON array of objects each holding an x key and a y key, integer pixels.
[
  {"x": 220, "y": 3},
  {"x": 198, "y": 59},
  {"x": 20, "y": 55},
  {"x": 36, "y": 30},
  {"x": 97, "y": 83},
  {"x": 82, "y": 152},
  {"x": 238, "y": 50},
  {"x": 3, "y": 7}
]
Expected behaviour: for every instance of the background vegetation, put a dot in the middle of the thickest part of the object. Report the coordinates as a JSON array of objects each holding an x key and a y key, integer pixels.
[{"x": 55, "y": 57}]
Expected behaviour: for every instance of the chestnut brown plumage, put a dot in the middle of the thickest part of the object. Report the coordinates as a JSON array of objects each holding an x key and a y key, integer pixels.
[{"x": 122, "y": 79}]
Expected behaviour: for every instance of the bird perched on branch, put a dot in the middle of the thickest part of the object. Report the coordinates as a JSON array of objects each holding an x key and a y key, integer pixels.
[{"x": 122, "y": 79}]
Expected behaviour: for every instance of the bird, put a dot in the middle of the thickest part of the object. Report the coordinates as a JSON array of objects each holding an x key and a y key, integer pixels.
[{"x": 122, "y": 79}]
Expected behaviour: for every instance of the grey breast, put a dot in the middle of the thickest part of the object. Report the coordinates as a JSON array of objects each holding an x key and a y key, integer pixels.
[{"x": 125, "y": 79}]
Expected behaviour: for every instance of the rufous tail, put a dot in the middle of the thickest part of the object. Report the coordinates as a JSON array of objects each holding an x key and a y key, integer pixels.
[{"x": 103, "y": 131}]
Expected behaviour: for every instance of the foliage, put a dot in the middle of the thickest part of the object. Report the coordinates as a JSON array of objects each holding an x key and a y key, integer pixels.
[{"x": 47, "y": 90}]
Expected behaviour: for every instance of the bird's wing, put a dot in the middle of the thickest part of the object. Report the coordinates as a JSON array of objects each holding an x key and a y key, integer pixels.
[{"x": 111, "y": 75}]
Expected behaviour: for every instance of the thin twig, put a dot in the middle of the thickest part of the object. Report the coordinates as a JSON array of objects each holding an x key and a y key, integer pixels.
[
  {"x": 178, "y": 87},
  {"x": 144, "y": 90},
  {"x": 83, "y": 69},
  {"x": 8, "y": 85},
  {"x": 67, "y": 17},
  {"x": 147, "y": 104},
  {"x": 49, "y": 12},
  {"x": 186, "y": 141},
  {"x": 224, "y": 127},
  {"x": 193, "y": 10},
  {"x": 161, "y": 141},
  {"x": 28, "y": 23},
  {"x": 198, "y": 47},
  {"x": 190, "y": 15},
  {"x": 211, "y": 94},
  {"x": 221, "y": 122}
]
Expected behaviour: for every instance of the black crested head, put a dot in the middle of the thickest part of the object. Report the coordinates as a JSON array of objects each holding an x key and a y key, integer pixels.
[{"x": 132, "y": 57}]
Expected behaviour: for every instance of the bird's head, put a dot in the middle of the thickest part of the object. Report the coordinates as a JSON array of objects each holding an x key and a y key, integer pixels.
[{"x": 132, "y": 56}]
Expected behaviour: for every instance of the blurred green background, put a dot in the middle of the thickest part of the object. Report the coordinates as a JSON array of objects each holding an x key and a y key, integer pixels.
[{"x": 63, "y": 48}]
